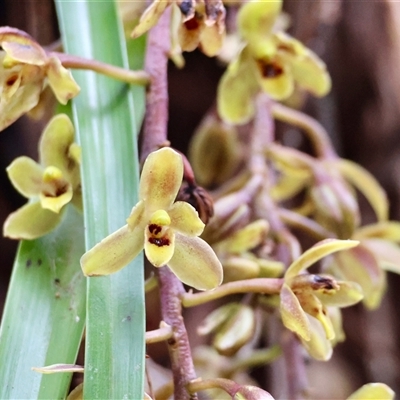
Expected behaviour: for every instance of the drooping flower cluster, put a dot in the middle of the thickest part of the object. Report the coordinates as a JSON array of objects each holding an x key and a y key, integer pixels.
[
  {"x": 167, "y": 231},
  {"x": 193, "y": 24},
  {"x": 25, "y": 70},
  {"x": 271, "y": 61},
  {"x": 49, "y": 185}
]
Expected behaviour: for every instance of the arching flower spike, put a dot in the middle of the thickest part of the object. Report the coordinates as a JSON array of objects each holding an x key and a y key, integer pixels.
[{"x": 166, "y": 230}]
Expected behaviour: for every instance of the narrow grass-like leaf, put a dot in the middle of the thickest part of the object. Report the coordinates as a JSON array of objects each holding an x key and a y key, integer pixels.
[
  {"x": 104, "y": 115},
  {"x": 44, "y": 313}
]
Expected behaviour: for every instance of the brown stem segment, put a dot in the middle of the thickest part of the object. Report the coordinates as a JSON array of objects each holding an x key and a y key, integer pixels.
[
  {"x": 122, "y": 74},
  {"x": 171, "y": 290},
  {"x": 156, "y": 119}
]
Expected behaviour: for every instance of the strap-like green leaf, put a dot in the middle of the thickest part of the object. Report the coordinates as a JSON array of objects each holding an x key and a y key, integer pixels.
[
  {"x": 44, "y": 314},
  {"x": 104, "y": 115}
]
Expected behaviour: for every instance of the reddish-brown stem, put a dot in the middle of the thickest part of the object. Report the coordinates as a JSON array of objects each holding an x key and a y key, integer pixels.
[
  {"x": 154, "y": 137},
  {"x": 156, "y": 60},
  {"x": 171, "y": 289}
]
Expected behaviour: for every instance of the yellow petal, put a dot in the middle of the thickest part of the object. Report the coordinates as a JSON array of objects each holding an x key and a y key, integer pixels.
[
  {"x": 256, "y": 18},
  {"x": 386, "y": 230},
  {"x": 387, "y": 253},
  {"x": 236, "y": 91},
  {"x": 361, "y": 265},
  {"x": 318, "y": 347},
  {"x": 26, "y": 176},
  {"x": 313, "y": 306},
  {"x": 159, "y": 248},
  {"x": 246, "y": 238},
  {"x": 367, "y": 185},
  {"x": 214, "y": 151},
  {"x": 161, "y": 179},
  {"x": 61, "y": 81},
  {"x": 212, "y": 39},
  {"x": 30, "y": 222},
  {"x": 236, "y": 331},
  {"x": 137, "y": 217},
  {"x": 349, "y": 293},
  {"x": 25, "y": 53},
  {"x": 150, "y": 17},
  {"x": 373, "y": 391},
  {"x": 216, "y": 318},
  {"x": 56, "y": 203},
  {"x": 185, "y": 219},
  {"x": 308, "y": 70},
  {"x": 23, "y": 97},
  {"x": 55, "y": 142},
  {"x": 189, "y": 32},
  {"x": 114, "y": 252},
  {"x": 293, "y": 315},
  {"x": 195, "y": 263},
  {"x": 21, "y": 47},
  {"x": 316, "y": 252},
  {"x": 238, "y": 268},
  {"x": 275, "y": 78}
]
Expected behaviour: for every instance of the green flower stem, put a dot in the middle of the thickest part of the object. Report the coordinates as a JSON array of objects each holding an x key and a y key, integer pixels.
[
  {"x": 256, "y": 285},
  {"x": 315, "y": 131},
  {"x": 122, "y": 74},
  {"x": 256, "y": 359},
  {"x": 158, "y": 335}
]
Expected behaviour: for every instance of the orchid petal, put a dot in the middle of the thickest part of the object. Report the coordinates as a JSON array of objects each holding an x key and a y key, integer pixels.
[
  {"x": 61, "y": 81},
  {"x": 313, "y": 306},
  {"x": 26, "y": 176},
  {"x": 159, "y": 249},
  {"x": 30, "y": 222},
  {"x": 25, "y": 53},
  {"x": 137, "y": 216},
  {"x": 348, "y": 294},
  {"x": 319, "y": 347},
  {"x": 256, "y": 19},
  {"x": 56, "y": 203},
  {"x": 55, "y": 142},
  {"x": 237, "y": 90},
  {"x": 293, "y": 315},
  {"x": 114, "y": 252},
  {"x": 387, "y": 253},
  {"x": 316, "y": 252},
  {"x": 246, "y": 238},
  {"x": 189, "y": 33},
  {"x": 361, "y": 265},
  {"x": 150, "y": 17},
  {"x": 275, "y": 79},
  {"x": 22, "y": 98},
  {"x": 161, "y": 179},
  {"x": 385, "y": 230},
  {"x": 185, "y": 219},
  {"x": 373, "y": 391},
  {"x": 195, "y": 263}
]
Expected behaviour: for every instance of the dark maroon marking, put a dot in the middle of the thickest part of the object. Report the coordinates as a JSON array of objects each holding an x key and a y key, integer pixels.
[
  {"x": 192, "y": 24},
  {"x": 28, "y": 263},
  {"x": 11, "y": 80},
  {"x": 270, "y": 70},
  {"x": 159, "y": 241},
  {"x": 57, "y": 281},
  {"x": 154, "y": 229},
  {"x": 39, "y": 262}
]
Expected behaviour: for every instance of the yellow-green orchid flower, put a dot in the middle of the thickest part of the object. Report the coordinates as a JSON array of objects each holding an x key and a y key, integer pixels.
[
  {"x": 25, "y": 70},
  {"x": 49, "y": 185},
  {"x": 373, "y": 391},
  {"x": 167, "y": 231},
  {"x": 270, "y": 61},
  {"x": 304, "y": 299}
]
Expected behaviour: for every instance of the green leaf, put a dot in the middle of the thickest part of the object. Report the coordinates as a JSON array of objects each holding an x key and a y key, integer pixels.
[
  {"x": 44, "y": 314},
  {"x": 104, "y": 115}
]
